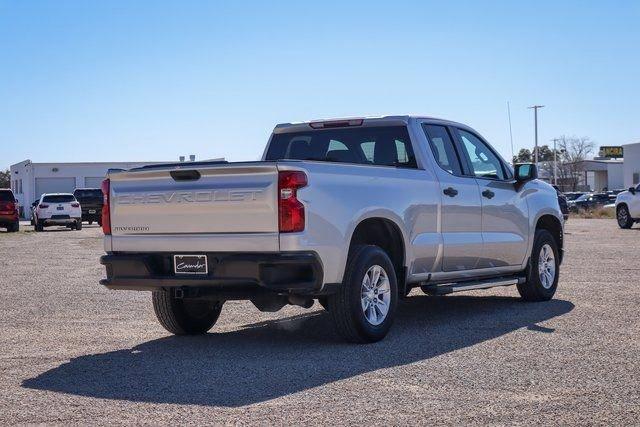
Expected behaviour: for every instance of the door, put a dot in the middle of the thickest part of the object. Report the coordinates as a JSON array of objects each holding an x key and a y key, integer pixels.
[
  {"x": 55, "y": 185},
  {"x": 505, "y": 224},
  {"x": 461, "y": 214}
]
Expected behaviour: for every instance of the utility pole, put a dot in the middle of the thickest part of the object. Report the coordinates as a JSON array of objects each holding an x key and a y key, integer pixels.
[
  {"x": 555, "y": 162},
  {"x": 510, "y": 132},
  {"x": 535, "y": 118}
]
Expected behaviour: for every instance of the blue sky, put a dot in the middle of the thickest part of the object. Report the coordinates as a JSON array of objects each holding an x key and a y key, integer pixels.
[{"x": 151, "y": 80}]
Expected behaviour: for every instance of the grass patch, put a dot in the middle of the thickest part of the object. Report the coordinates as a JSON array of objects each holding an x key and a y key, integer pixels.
[{"x": 598, "y": 213}]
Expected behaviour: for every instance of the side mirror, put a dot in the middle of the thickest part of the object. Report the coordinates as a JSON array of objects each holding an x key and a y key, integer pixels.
[
  {"x": 526, "y": 172},
  {"x": 632, "y": 190}
]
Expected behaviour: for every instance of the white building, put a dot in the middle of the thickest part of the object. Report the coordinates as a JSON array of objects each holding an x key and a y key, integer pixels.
[
  {"x": 30, "y": 180},
  {"x": 603, "y": 173},
  {"x": 631, "y": 168}
]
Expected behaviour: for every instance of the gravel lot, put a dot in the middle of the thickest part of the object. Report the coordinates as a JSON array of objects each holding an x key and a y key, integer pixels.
[{"x": 73, "y": 352}]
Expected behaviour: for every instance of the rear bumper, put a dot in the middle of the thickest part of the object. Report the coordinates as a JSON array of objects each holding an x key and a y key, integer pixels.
[
  {"x": 59, "y": 220},
  {"x": 8, "y": 220},
  {"x": 86, "y": 215},
  {"x": 231, "y": 275}
]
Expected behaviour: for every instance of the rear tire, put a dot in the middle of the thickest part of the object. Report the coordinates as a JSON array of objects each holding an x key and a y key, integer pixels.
[
  {"x": 624, "y": 217},
  {"x": 39, "y": 226},
  {"x": 79, "y": 225},
  {"x": 14, "y": 227},
  {"x": 543, "y": 271},
  {"x": 364, "y": 307},
  {"x": 90, "y": 222},
  {"x": 185, "y": 316}
]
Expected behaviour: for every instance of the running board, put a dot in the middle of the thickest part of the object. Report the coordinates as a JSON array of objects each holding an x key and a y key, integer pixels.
[{"x": 450, "y": 288}]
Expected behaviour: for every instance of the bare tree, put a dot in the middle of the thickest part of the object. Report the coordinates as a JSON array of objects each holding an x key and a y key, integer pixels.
[{"x": 572, "y": 152}]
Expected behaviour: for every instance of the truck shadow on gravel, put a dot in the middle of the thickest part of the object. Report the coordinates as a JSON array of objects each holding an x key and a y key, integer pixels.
[{"x": 272, "y": 359}]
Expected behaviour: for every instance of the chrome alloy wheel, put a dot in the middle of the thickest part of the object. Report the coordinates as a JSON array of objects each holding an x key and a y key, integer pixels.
[
  {"x": 547, "y": 266},
  {"x": 623, "y": 215},
  {"x": 375, "y": 295}
]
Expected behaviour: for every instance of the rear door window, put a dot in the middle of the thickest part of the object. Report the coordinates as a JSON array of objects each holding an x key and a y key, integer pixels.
[
  {"x": 381, "y": 146},
  {"x": 443, "y": 148}
]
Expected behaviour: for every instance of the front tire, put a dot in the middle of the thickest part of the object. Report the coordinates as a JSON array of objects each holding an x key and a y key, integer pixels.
[
  {"x": 364, "y": 307},
  {"x": 624, "y": 217},
  {"x": 543, "y": 271},
  {"x": 185, "y": 316}
]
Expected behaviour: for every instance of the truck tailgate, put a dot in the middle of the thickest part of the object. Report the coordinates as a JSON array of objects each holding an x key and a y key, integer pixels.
[{"x": 216, "y": 207}]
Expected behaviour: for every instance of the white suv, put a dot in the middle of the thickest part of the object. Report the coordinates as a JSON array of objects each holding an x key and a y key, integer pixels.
[
  {"x": 628, "y": 207},
  {"x": 58, "y": 209}
]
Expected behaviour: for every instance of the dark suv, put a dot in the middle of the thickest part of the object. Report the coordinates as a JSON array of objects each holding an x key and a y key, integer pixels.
[
  {"x": 8, "y": 210},
  {"x": 91, "y": 200}
]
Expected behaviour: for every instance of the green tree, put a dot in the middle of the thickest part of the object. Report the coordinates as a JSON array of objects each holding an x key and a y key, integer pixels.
[
  {"x": 545, "y": 154},
  {"x": 5, "y": 179},
  {"x": 523, "y": 156}
]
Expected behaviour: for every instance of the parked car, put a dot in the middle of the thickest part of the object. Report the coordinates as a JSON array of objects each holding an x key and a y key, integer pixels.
[
  {"x": 91, "y": 201},
  {"x": 9, "y": 217},
  {"x": 58, "y": 209},
  {"x": 562, "y": 202},
  {"x": 589, "y": 202},
  {"x": 34, "y": 205},
  {"x": 351, "y": 212},
  {"x": 613, "y": 194},
  {"x": 571, "y": 196},
  {"x": 628, "y": 207}
]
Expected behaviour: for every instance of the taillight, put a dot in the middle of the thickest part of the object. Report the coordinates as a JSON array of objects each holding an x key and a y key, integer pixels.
[
  {"x": 75, "y": 205},
  {"x": 106, "y": 214},
  {"x": 43, "y": 206},
  {"x": 290, "y": 209}
]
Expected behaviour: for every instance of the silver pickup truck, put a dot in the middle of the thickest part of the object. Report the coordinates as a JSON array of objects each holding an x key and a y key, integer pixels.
[{"x": 353, "y": 213}]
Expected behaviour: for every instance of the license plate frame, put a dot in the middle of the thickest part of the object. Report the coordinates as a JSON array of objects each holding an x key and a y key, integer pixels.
[
  {"x": 190, "y": 264},
  {"x": 92, "y": 211}
]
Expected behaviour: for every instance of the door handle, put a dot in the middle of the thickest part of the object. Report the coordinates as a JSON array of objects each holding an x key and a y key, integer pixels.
[
  {"x": 451, "y": 192},
  {"x": 488, "y": 194}
]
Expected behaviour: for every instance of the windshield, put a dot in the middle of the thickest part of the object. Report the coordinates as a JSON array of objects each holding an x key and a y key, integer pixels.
[
  {"x": 382, "y": 146},
  {"x": 59, "y": 198}
]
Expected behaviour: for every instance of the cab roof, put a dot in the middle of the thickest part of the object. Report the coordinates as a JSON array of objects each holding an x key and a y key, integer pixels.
[{"x": 396, "y": 120}]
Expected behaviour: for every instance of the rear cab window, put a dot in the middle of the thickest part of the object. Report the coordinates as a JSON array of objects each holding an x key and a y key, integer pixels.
[
  {"x": 6, "y": 196},
  {"x": 59, "y": 198},
  {"x": 375, "y": 145}
]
